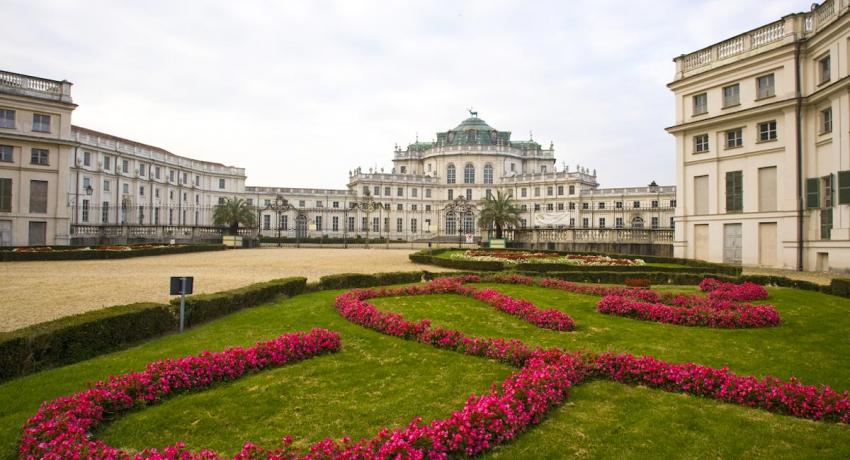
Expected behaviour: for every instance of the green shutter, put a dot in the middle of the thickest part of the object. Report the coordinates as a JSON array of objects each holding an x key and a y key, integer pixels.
[
  {"x": 6, "y": 195},
  {"x": 812, "y": 193},
  {"x": 843, "y": 187}
]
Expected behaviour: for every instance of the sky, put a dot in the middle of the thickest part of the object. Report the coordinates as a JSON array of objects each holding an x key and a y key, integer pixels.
[{"x": 301, "y": 92}]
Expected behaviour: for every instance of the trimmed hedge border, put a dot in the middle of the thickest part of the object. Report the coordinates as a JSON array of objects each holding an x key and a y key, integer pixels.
[
  {"x": 76, "y": 338},
  {"x": 80, "y": 337},
  {"x": 13, "y": 256},
  {"x": 692, "y": 266},
  {"x": 314, "y": 240}
]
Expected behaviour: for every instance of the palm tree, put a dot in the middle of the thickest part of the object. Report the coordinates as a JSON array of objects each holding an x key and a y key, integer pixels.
[
  {"x": 232, "y": 213},
  {"x": 499, "y": 211}
]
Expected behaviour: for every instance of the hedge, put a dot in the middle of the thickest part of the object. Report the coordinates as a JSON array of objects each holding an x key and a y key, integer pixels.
[
  {"x": 201, "y": 308},
  {"x": 328, "y": 240},
  {"x": 420, "y": 258},
  {"x": 551, "y": 267},
  {"x": 356, "y": 280},
  {"x": 840, "y": 287},
  {"x": 76, "y": 338},
  {"x": 14, "y": 256}
]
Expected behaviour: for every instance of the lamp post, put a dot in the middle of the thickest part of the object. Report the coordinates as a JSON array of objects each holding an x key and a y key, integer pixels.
[
  {"x": 459, "y": 208},
  {"x": 278, "y": 206},
  {"x": 368, "y": 205}
]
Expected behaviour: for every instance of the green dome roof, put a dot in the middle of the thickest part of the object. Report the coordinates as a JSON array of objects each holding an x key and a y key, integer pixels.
[{"x": 473, "y": 123}]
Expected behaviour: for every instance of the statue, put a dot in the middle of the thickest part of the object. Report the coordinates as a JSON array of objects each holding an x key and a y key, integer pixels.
[{"x": 472, "y": 113}]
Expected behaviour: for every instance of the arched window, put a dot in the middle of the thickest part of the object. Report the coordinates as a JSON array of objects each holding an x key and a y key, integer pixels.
[
  {"x": 488, "y": 174},
  {"x": 468, "y": 223},
  {"x": 469, "y": 174},
  {"x": 451, "y": 228},
  {"x": 637, "y": 222},
  {"x": 450, "y": 174}
]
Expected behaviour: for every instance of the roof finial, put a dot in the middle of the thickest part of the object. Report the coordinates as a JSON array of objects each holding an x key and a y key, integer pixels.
[
  {"x": 472, "y": 113},
  {"x": 530, "y": 136},
  {"x": 417, "y": 137}
]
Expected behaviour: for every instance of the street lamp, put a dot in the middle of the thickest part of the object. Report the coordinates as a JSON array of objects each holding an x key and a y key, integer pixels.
[
  {"x": 278, "y": 206},
  {"x": 459, "y": 208},
  {"x": 368, "y": 205}
]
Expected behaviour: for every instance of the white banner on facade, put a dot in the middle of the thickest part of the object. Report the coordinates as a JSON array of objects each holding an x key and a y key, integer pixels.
[{"x": 551, "y": 218}]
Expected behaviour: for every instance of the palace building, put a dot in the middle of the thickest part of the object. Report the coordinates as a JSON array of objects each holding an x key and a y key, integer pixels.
[
  {"x": 64, "y": 184},
  {"x": 763, "y": 145}
]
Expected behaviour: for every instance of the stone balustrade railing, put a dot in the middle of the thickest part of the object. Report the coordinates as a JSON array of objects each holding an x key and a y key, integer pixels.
[
  {"x": 474, "y": 150},
  {"x": 154, "y": 232},
  {"x": 296, "y": 191},
  {"x": 793, "y": 26},
  {"x": 43, "y": 88}
]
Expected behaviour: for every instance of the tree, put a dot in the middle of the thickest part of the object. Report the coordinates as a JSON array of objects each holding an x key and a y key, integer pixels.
[
  {"x": 499, "y": 211},
  {"x": 232, "y": 213}
]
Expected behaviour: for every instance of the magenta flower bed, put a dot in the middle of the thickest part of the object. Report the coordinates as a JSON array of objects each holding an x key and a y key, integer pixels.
[
  {"x": 61, "y": 427},
  {"x": 723, "y": 307}
]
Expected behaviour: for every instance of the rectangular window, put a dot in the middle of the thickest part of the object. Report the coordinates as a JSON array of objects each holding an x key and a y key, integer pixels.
[
  {"x": 414, "y": 192},
  {"x": 377, "y": 191},
  {"x": 319, "y": 204},
  {"x": 826, "y": 223},
  {"x": 376, "y": 224},
  {"x": 413, "y": 207},
  {"x": 318, "y": 223},
  {"x": 828, "y": 183},
  {"x": 767, "y": 189},
  {"x": 412, "y": 225},
  {"x": 284, "y": 222},
  {"x": 386, "y": 191},
  {"x": 636, "y": 205},
  {"x": 86, "y": 158},
  {"x": 585, "y": 222},
  {"x": 104, "y": 213},
  {"x": 734, "y": 191},
  {"x": 654, "y": 203},
  {"x": 220, "y": 183},
  {"x": 843, "y": 187},
  {"x": 6, "y": 153},
  {"x": 400, "y": 192},
  {"x": 550, "y": 207},
  {"x": 5, "y": 195},
  {"x": 765, "y": 86},
  {"x": 351, "y": 224},
  {"x": 106, "y": 186},
  {"x": 601, "y": 222},
  {"x": 523, "y": 192},
  {"x": 572, "y": 206},
  {"x": 156, "y": 172},
  {"x": 335, "y": 204},
  {"x": 601, "y": 205},
  {"x": 701, "y": 195},
  {"x": 427, "y": 193},
  {"x": 536, "y": 191},
  {"x": 731, "y": 95},
  {"x": 107, "y": 163},
  {"x": 672, "y": 203},
  {"x": 560, "y": 190},
  {"x": 618, "y": 204},
  {"x": 141, "y": 169},
  {"x": 618, "y": 222},
  {"x": 125, "y": 166},
  {"x": 550, "y": 191},
  {"x": 824, "y": 70},
  {"x": 301, "y": 203},
  {"x": 767, "y": 131},
  {"x": 734, "y": 138},
  {"x": 826, "y": 120},
  {"x": 536, "y": 206},
  {"x": 38, "y": 196},
  {"x": 185, "y": 177},
  {"x": 700, "y": 104},
  {"x": 399, "y": 207},
  {"x": 427, "y": 208},
  {"x": 560, "y": 206},
  {"x": 701, "y": 143},
  {"x": 7, "y": 118},
  {"x": 399, "y": 225},
  {"x": 335, "y": 223},
  {"x": 469, "y": 194},
  {"x": 41, "y": 123},
  {"x": 572, "y": 222},
  {"x": 40, "y": 157},
  {"x": 572, "y": 189},
  {"x": 404, "y": 169},
  {"x": 585, "y": 206},
  {"x": 85, "y": 211}
]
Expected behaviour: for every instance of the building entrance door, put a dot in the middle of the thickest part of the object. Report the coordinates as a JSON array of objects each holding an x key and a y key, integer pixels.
[
  {"x": 732, "y": 244},
  {"x": 301, "y": 226},
  {"x": 38, "y": 234},
  {"x": 5, "y": 232}
]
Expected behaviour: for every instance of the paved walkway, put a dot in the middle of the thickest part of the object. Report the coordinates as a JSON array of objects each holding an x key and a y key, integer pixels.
[
  {"x": 814, "y": 277},
  {"x": 34, "y": 292}
]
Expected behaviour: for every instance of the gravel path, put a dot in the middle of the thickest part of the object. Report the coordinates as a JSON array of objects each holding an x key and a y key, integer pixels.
[{"x": 33, "y": 292}]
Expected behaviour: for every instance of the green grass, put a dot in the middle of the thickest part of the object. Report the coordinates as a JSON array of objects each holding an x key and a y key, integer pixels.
[{"x": 380, "y": 381}]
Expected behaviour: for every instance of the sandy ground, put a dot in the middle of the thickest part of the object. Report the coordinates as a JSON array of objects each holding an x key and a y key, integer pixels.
[
  {"x": 814, "y": 277},
  {"x": 34, "y": 292}
]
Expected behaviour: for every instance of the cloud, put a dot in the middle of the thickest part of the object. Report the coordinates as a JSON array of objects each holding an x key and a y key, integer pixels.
[{"x": 300, "y": 92}]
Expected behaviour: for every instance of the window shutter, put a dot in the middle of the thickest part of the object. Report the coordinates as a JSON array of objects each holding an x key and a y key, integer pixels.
[
  {"x": 843, "y": 187},
  {"x": 730, "y": 191},
  {"x": 812, "y": 193}
]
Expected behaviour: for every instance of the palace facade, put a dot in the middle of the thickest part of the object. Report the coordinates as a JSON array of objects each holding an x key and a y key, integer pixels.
[
  {"x": 763, "y": 145},
  {"x": 65, "y": 184}
]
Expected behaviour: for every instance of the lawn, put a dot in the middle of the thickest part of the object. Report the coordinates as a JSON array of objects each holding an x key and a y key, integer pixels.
[{"x": 381, "y": 381}]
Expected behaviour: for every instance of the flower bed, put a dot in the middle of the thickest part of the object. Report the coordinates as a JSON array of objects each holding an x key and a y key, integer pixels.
[
  {"x": 133, "y": 247},
  {"x": 61, "y": 427},
  {"x": 722, "y": 307},
  {"x": 518, "y": 257}
]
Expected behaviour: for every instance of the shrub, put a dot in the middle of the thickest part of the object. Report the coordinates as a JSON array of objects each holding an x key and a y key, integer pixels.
[
  {"x": 205, "y": 307},
  {"x": 637, "y": 282},
  {"x": 840, "y": 287},
  {"x": 76, "y": 338},
  {"x": 94, "y": 254},
  {"x": 355, "y": 280}
]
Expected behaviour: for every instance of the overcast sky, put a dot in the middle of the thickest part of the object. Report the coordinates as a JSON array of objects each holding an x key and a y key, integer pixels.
[{"x": 299, "y": 93}]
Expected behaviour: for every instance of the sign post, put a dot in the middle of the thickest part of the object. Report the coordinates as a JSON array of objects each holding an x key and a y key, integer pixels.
[{"x": 182, "y": 285}]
